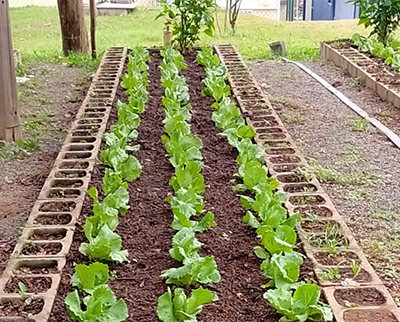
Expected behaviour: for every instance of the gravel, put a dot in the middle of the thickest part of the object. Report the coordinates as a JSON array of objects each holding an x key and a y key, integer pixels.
[{"x": 322, "y": 127}]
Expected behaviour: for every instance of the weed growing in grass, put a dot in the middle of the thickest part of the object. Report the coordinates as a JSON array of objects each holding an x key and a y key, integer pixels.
[
  {"x": 38, "y": 124},
  {"x": 359, "y": 125},
  {"x": 27, "y": 94}
]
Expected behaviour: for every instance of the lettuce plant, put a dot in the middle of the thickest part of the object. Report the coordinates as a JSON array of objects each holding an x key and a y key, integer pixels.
[{"x": 181, "y": 308}]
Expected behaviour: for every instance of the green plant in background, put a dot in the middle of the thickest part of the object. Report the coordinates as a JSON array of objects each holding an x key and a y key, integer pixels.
[
  {"x": 330, "y": 273},
  {"x": 383, "y": 16},
  {"x": 189, "y": 19}
]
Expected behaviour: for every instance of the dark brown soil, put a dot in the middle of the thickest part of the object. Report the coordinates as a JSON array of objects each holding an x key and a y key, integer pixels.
[
  {"x": 55, "y": 206},
  {"x": 46, "y": 268},
  {"x": 61, "y": 219},
  {"x": 30, "y": 306},
  {"x": 285, "y": 159},
  {"x": 231, "y": 242},
  {"x": 48, "y": 236},
  {"x": 146, "y": 229},
  {"x": 300, "y": 188},
  {"x": 42, "y": 249},
  {"x": 369, "y": 316},
  {"x": 317, "y": 226},
  {"x": 335, "y": 259},
  {"x": 33, "y": 284},
  {"x": 307, "y": 200},
  {"x": 359, "y": 296},
  {"x": 290, "y": 178},
  {"x": 346, "y": 272},
  {"x": 285, "y": 168},
  {"x": 313, "y": 211}
]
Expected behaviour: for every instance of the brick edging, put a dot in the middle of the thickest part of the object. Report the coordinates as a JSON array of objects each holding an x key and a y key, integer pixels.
[
  {"x": 66, "y": 185},
  {"x": 355, "y": 63},
  {"x": 281, "y": 162}
]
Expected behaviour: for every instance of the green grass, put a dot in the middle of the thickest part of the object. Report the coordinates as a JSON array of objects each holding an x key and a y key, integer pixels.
[
  {"x": 36, "y": 32},
  {"x": 359, "y": 125}
]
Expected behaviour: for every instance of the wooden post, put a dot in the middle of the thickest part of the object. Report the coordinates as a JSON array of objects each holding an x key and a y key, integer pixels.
[
  {"x": 73, "y": 27},
  {"x": 10, "y": 123},
  {"x": 93, "y": 28}
]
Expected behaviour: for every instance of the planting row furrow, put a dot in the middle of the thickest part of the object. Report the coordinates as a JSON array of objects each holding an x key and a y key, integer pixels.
[
  {"x": 230, "y": 241},
  {"x": 296, "y": 301},
  {"x": 187, "y": 202},
  {"x": 103, "y": 243}
]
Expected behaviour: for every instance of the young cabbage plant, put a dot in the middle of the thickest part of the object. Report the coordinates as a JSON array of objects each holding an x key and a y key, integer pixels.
[
  {"x": 105, "y": 246},
  {"x": 181, "y": 308},
  {"x": 101, "y": 306},
  {"x": 88, "y": 278},
  {"x": 301, "y": 305},
  {"x": 196, "y": 270}
]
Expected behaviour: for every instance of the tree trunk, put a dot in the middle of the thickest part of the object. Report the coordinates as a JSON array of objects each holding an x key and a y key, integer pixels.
[
  {"x": 10, "y": 123},
  {"x": 73, "y": 27}
]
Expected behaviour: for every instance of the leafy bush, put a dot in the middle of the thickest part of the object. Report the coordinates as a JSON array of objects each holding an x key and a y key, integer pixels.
[
  {"x": 383, "y": 16},
  {"x": 189, "y": 19}
]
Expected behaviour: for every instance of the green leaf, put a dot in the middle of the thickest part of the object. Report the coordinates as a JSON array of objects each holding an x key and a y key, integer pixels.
[
  {"x": 165, "y": 309},
  {"x": 261, "y": 253},
  {"x": 205, "y": 223},
  {"x": 197, "y": 299},
  {"x": 87, "y": 278},
  {"x": 251, "y": 220}
]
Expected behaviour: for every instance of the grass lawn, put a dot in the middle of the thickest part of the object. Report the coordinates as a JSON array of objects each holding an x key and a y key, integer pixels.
[{"x": 36, "y": 32}]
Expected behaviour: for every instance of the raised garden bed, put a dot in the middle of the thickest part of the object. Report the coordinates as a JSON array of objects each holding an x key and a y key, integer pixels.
[
  {"x": 146, "y": 227},
  {"x": 371, "y": 71}
]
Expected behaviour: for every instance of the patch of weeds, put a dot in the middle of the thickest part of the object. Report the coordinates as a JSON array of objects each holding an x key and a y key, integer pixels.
[
  {"x": 359, "y": 125},
  {"x": 38, "y": 124},
  {"x": 332, "y": 241},
  {"x": 356, "y": 195},
  {"x": 293, "y": 118},
  {"x": 383, "y": 252},
  {"x": 29, "y": 94},
  {"x": 324, "y": 175},
  {"x": 45, "y": 71},
  {"x": 332, "y": 176},
  {"x": 82, "y": 60},
  {"x": 387, "y": 214},
  {"x": 22, "y": 148},
  {"x": 351, "y": 155},
  {"x": 329, "y": 274},
  {"x": 20, "y": 70},
  {"x": 281, "y": 100}
]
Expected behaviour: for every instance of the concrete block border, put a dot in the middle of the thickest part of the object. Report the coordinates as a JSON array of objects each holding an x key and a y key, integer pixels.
[
  {"x": 41, "y": 251},
  {"x": 356, "y": 63},
  {"x": 308, "y": 197}
]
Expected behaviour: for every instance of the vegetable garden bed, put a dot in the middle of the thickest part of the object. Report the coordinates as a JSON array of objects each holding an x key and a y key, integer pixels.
[
  {"x": 369, "y": 69},
  {"x": 166, "y": 162}
]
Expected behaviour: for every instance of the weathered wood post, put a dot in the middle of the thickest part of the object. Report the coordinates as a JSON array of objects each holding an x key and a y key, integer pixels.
[
  {"x": 10, "y": 122},
  {"x": 93, "y": 28},
  {"x": 73, "y": 27}
]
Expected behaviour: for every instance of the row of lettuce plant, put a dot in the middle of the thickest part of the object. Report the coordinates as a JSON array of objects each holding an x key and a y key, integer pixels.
[
  {"x": 296, "y": 301},
  {"x": 389, "y": 53},
  {"x": 104, "y": 244},
  {"x": 185, "y": 156}
]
